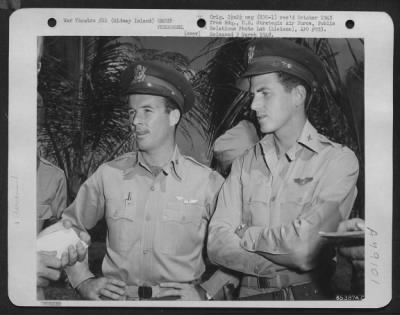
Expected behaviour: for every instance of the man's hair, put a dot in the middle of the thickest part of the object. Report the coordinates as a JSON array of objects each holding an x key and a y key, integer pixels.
[
  {"x": 170, "y": 105},
  {"x": 290, "y": 81}
]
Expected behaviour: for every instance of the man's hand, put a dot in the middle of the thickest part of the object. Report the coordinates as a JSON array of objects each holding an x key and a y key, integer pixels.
[
  {"x": 102, "y": 288},
  {"x": 184, "y": 291},
  {"x": 75, "y": 253},
  {"x": 355, "y": 224},
  {"x": 354, "y": 253},
  {"x": 48, "y": 268}
]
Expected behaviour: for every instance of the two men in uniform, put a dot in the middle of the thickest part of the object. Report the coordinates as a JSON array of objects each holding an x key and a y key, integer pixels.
[{"x": 280, "y": 193}]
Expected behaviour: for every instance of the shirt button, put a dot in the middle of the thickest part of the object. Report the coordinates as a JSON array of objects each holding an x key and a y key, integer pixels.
[
  {"x": 148, "y": 217},
  {"x": 273, "y": 198},
  {"x": 152, "y": 188}
]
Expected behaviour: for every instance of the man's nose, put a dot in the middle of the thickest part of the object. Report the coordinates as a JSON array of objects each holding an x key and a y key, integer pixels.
[
  {"x": 255, "y": 103},
  {"x": 136, "y": 119}
]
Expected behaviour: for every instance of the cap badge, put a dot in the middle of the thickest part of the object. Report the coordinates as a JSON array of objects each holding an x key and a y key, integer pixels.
[
  {"x": 139, "y": 74},
  {"x": 250, "y": 53}
]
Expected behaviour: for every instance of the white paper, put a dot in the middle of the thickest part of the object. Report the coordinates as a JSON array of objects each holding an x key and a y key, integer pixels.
[{"x": 58, "y": 241}]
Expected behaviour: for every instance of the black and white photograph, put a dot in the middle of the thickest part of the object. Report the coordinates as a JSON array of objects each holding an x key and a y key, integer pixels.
[{"x": 210, "y": 169}]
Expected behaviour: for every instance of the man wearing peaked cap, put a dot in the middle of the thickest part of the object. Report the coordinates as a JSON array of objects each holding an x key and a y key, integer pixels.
[
  {"x": 157, "y": 203},
  {"x": 276, "y": 54},
  {"x": 285, "y": 189},
  {"x": 156, "y": 78}
]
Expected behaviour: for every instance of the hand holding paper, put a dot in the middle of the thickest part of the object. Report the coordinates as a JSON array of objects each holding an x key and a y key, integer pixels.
[
  {"x": 59, "y": 238},
  {"x": 59, "y": 246}
]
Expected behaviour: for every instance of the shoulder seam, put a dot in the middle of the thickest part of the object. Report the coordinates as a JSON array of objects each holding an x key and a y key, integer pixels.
[
  {"x": 192, "y": 159},
  {"x": 48, "y": 163}
]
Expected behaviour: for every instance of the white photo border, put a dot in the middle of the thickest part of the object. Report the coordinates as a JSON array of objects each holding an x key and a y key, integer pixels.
[{"x": 27, "y": 24}]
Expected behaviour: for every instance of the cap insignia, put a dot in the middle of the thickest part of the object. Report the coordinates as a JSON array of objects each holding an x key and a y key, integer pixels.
[
  {"x": 139, "y": 74},
  {"x": 250, "y": 53}
]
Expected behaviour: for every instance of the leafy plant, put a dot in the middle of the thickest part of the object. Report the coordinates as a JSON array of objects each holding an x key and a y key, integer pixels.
[{"x": 86, "y": 123}]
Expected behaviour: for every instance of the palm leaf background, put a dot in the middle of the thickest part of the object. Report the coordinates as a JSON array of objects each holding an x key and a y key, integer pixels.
[
  {"x": 86, "y": 123},
  {"x": 84, "y": 115}
]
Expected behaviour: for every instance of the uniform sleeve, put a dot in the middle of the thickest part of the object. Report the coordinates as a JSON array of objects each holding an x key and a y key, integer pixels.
[
  {"x": 234, "y": 142},
  {"x": 214, "y": 285},
  {"x": 59, "y": 202},
  {"x": 297, "y": 244},
  {"x": 223, "y": 244},
  {"x": 213, "y": 188},
  {"x": 84, "y": 213}
]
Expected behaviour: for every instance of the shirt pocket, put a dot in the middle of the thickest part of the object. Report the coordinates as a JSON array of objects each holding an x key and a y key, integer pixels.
[
  {"x": 182, "y": 229},
  {"x": 295, "y": 200},
  {"x": 256, "y": 207},
  {"x": 123, "y": 228}
]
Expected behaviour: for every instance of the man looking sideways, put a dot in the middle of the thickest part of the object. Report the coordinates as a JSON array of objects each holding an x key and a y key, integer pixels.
[
  {"x": 284, "y": 190},
  {"x": 157, "y": 202}
]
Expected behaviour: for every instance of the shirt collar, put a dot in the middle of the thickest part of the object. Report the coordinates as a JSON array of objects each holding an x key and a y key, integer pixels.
[
  {"x": 176, "y": 164},
  {"x": 173, "y": 166},
  {"x": 308, "y": 139}
]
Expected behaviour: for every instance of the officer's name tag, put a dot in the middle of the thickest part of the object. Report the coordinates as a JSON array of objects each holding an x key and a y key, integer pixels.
[{"x": 73, "y": 59}]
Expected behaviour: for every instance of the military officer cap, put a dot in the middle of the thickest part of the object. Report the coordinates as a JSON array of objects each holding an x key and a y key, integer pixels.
[
  {"x": 156, "y": 78},
  {"x": 269, "y": 55}
]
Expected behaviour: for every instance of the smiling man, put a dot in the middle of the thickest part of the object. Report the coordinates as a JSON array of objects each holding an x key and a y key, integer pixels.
[
  {"x": 157, "y": 202},
  {"x": 284, "y": 190}
]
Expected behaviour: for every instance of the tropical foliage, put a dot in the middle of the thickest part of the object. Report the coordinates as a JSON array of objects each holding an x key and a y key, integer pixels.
[{"x": 85, "y": 122}]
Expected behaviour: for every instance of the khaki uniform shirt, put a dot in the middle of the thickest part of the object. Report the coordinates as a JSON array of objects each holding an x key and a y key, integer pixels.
[
  {"x": 156, "y": 225},
  {"x": 282, "y": 202},
  {"x": 51, "y": 187}
]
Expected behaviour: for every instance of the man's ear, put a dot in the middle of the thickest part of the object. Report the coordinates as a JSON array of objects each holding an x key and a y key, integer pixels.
[
  {"x": 299, "y": 93},
  {"x": 174, "y": 116}
]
